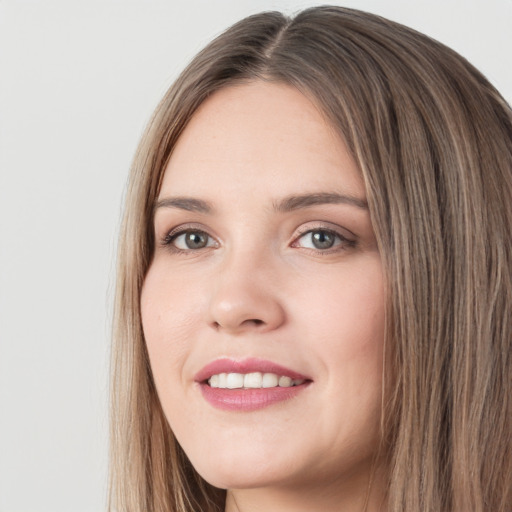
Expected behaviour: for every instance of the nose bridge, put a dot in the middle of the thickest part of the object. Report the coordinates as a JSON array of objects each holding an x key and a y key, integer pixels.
[{"x": 243, "y": 296}]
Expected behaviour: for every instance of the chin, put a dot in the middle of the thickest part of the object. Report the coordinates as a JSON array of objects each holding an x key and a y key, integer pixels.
[
  {"x": 241, "y": 472},
  {"x": 253, "y": 465},
  {"x": 244, "y": 478}
]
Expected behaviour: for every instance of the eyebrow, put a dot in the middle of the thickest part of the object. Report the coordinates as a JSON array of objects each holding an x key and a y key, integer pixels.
[
  {"x": 287, "y": 204},
  {"x": 296, "y": 202},
  {"x": 189, "y": 204}
]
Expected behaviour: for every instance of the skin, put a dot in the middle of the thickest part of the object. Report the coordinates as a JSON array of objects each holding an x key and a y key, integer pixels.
[{"x": 261, "y": 288}]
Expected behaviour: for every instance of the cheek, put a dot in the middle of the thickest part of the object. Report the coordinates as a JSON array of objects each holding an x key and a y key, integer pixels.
[
  {"x": 345, "y": 323},
  {"x": 167, "y": 319},
  {"x": 347, "y": 310}
]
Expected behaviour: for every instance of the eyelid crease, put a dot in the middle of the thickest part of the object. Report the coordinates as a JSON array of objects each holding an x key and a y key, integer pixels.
[
  {"x": 309, "y": 227},
  {"x": 167, "y": 242},
  {"x": 343, "y": 239},
  {"x": 325, "y": 226},
  {"x": 176, "y": 231}
]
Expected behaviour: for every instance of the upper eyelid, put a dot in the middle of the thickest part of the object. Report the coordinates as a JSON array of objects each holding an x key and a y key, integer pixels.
[
  {"x": 342, "y": 238},
  {"x": 167, "y": 241},
  {"x": 323, "y": 225},
  {"x": 299, "y": 231},
  {"x": 314, "y": 230},
  {"x": 184, "y": 227},
  {"x": 168, "y": 237}
]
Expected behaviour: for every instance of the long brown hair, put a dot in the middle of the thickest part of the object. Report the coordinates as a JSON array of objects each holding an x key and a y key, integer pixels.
[{"x": 433, "y": 141}]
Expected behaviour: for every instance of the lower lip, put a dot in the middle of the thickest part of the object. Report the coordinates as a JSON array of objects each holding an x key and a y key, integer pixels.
[{"x": 248, "y": 399}]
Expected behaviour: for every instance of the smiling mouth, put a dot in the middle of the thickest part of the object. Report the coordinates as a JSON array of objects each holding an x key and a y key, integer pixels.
[
  {"x": 249, "y": 384},
  {"x": 253, "y": 380}
]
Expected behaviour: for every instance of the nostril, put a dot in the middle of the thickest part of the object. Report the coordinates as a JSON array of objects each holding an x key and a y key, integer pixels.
[{"x": 255, "y": 321}]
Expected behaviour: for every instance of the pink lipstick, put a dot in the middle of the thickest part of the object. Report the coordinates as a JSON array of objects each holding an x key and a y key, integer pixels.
[{"x": 249, "y": 384}]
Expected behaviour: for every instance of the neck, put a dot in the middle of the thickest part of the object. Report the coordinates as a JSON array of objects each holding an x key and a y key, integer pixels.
[{"x": 349, "y": 496}]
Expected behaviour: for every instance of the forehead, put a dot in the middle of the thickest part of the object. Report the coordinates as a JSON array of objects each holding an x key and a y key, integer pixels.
[{"x": 266, "y": 135}]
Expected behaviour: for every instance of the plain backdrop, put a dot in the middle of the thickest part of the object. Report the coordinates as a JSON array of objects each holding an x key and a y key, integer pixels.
[{"x": 78, "y": 81}]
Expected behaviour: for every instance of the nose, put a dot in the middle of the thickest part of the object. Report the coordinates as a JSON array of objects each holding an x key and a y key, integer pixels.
[{"x": 245, "y": 299}]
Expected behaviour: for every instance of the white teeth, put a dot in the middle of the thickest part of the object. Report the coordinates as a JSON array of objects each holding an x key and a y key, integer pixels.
[
  {"x": 285, "y": 382},
  {"x": 252, "y": 380},
  {"x": 235, "y": 381},
  {"x": 270, "y": 380},
  {"x": 255, "y": 380},
  {"x": 223, "y": 380}
]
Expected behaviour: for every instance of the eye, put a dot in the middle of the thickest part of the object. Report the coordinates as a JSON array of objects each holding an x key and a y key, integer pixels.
[
  {"x": 189, "y": 240},
  {"x": 322, "y": 240}
]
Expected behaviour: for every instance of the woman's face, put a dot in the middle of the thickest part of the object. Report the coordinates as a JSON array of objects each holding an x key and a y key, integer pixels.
[{"x": 263, "y": 308}]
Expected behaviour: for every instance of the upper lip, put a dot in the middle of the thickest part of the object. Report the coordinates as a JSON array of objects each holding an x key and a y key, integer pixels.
[{"x": 249, "y": 365}]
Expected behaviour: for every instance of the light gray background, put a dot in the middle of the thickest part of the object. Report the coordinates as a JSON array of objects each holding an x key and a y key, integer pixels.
[{"x": 78, "y": 81}]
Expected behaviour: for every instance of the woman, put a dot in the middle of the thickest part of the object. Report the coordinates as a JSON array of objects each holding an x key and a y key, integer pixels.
[{"x": 314, "y": 288}]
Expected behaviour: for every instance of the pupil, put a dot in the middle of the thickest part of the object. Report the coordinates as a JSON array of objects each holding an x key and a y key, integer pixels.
[
  {"x": 195, "y": 240},
  {"x": 323, "y": 239}
]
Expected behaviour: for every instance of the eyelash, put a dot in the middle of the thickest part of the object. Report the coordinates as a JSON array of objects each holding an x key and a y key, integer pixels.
[
  {"x": 171, "y": 236},
  {"x": 342, "y": 243}
]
